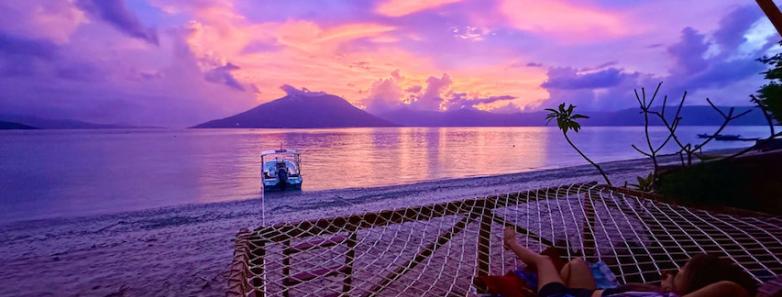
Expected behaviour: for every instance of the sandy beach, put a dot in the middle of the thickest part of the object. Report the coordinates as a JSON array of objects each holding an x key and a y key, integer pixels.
[{"x": 185, "y": 251}]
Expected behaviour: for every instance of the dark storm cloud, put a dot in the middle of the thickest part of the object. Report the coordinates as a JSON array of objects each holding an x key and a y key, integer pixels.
[
  {"x": 14, "y": 45},
  {"x": 687, "y": 54},
  {"x": 568, "y": 78},
  {"x": 117, "y": 14},
  {"x": 732, "y": 27},
  {"x": 224, "y": 76},
  {"x": 699, "y": 63},
  {"x": 21, "y": 56}
]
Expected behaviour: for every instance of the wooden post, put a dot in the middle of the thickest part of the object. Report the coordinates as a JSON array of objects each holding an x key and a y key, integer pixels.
[
  {"x": 349, "y": 259},
  {"x": 772, "y": 13},
  {"x": 257, "y": 263}
]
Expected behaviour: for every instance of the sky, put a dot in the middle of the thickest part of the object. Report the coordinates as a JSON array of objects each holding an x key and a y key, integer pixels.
[{"x": 177, "y": 63}]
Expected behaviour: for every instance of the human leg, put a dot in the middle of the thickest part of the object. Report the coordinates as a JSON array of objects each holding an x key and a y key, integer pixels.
[{"x": 547, "y": 273}]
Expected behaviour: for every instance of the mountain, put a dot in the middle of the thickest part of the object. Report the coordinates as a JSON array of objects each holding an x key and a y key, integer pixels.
[
  {"x": 11, "y": 125},
  {"x": 44, "y": 123},
  {"x": 691, "y": 116},
  {"x": 301, "y": 110}
]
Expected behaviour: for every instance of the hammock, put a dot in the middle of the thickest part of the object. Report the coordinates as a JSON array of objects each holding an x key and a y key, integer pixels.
[{"x": 439, "y": 249}]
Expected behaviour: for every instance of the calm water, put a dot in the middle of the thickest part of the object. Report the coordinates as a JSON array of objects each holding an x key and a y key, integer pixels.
[{"x": 64, "y": 173}]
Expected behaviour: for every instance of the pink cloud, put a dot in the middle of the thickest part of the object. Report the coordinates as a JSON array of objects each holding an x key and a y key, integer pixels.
[
  {"x": 384, "y": 95},
  {"x": 565, "y": 20},
  {"x": 397, "y": 8},
  {"x": 54, "y": 20}
]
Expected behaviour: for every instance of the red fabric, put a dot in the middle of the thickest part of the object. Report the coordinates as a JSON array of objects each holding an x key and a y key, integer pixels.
[{"x": 508, "y": 285}]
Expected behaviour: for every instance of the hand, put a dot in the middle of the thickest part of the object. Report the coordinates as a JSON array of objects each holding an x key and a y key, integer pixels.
[{"x": 509, "y": 237}]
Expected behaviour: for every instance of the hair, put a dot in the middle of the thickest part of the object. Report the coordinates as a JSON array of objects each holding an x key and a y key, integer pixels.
[{"x": 705, "y": 269}]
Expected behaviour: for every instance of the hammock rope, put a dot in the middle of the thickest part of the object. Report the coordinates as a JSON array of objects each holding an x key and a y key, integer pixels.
[{"x": 439, "y": 249}]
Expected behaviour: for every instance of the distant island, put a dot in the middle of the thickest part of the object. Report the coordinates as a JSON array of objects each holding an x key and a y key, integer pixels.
[
  {"x": 301, "y": 109},
  {"x": 46, "y": 123},
  {"x": 14, "y": 126}
]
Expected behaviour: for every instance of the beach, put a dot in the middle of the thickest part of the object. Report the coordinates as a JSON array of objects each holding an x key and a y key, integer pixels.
[{"x": 186, "y": 250}]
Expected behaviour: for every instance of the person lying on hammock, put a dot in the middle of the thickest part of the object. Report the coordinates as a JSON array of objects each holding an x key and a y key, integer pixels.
[{"x": 702, "y": 276}]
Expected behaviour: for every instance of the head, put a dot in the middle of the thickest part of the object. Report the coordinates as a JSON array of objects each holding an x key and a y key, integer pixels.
[{"x": 704, "y": 269}]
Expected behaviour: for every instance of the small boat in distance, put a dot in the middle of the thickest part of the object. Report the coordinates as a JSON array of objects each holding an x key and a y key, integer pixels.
[
  {"x": 726, "y": 137},
  {"x": 280, "y": 170}
]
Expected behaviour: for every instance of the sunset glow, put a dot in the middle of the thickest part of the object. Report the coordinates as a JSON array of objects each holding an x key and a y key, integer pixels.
[{"x": 178, "y": 62}]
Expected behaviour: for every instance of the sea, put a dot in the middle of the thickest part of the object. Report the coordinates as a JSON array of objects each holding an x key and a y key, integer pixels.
[{"x": 66, "y": 173}]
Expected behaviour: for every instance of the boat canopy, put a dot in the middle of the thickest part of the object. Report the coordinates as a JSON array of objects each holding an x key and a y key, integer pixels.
[
  {"x": 270, "y": 167},
  {"x": 279, "y": 151}
]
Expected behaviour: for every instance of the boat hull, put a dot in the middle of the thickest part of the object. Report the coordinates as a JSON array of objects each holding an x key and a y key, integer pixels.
[{"x": 274, "y": 185}]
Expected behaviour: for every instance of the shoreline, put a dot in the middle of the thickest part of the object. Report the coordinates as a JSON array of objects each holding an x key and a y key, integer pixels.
[
  {"x": 186, "y": 250},
  {"x": 547, "y": 171}
]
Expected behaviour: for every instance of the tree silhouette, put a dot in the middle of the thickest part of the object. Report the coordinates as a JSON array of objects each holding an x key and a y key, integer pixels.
[
  {"x": 566, "y": 121},
  {"x": 769, "y": 97}
]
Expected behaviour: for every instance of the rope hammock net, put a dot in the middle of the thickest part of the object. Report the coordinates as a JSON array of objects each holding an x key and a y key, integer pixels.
[{"x": 439, "y": 249}]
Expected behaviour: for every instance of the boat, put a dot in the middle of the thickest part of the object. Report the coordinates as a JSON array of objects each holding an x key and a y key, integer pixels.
[
  {"x": 281, "y": 170},
  {"x": 724, "y": 137}
]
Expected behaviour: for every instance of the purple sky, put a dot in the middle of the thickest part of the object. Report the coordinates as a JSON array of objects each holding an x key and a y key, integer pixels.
[{"x": 180, "y": 62}]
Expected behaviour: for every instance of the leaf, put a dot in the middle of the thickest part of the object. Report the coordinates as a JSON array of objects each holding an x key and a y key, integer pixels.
[{"x": 580, "y": 116}]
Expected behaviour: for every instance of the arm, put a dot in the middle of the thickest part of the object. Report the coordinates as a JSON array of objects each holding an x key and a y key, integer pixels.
[{"x": 720, "y": 289}]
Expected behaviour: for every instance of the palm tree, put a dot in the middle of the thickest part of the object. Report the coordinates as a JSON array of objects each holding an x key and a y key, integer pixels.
[{"x": 566, "y": 120}]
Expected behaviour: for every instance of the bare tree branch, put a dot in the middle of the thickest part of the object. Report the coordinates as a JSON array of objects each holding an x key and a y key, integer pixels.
[
  {"x": 717, "y": 109},
  {"x": 665, "y": 105},
  {"x": 742, "y": 114},
  {"x": 671, "y": 127},
  {"x": 638, "y": 99},
  {"x": 765, "y": 113},
  {"x": 640, "y": 151},
  {"x": 654, "y": 95},
  {"x": 681, "y": 104},
  {"x": 727, "y": 119}
]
